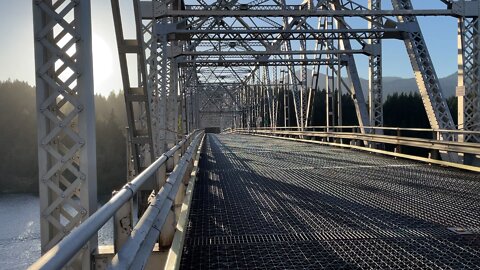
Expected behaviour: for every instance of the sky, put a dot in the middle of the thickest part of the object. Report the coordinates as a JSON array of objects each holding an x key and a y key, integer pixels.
[{"x": 17, "y": 57}]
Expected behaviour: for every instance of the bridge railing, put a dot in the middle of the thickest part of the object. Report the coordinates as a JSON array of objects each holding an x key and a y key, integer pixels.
[
  {"x": 139, "y": 245},
  {"x": 417, "y": 143}
]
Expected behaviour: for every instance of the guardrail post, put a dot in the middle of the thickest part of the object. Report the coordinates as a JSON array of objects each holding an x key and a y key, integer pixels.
[
  {"x": 123, "y": 218},
  {"x": 398, "y": 148},
  {"x": 354, "y": 141},
  {"x": 122, "y": 224},
  {"x": 340, "y": 140},
  {"x": 168, "y": 230},
  {"x": 434, "y": 154}
]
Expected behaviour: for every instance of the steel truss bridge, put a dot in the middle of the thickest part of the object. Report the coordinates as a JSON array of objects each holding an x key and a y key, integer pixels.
[{"x": 273, "y": 191}]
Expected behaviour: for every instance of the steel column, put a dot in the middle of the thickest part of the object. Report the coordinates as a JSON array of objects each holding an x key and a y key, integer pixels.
[
  {"x": 66, "y": 121},
  {"x": 375, "y": 96}
]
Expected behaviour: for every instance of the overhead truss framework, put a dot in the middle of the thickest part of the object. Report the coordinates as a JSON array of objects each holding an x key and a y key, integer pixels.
[
  {"x": 237, "y": 63},
  {"x": 271, "y": 37}
]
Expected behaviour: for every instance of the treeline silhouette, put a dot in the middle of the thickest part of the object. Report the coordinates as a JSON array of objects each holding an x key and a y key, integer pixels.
[
  {"x": 399, "y": 110},
  {"x": 18, "y": 139}
]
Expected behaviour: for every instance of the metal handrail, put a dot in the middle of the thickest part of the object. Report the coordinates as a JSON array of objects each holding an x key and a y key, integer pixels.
[
  {"x": 368, "y": 127},
  {"x": 435, "y": 144},
  {"x": 135, "y": 252},
  {"x": 60, "y": 254},
  {"x": 464, "y": 147}
]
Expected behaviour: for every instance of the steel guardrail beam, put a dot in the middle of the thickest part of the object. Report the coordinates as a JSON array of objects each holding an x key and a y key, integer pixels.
[
  {"x": 313, "y": 128},
  {"x": 61, "y": 253},
  {"x": 378, "y": 151},
  {"x": 135, "y": 252},
  {"x": 458, "y": 147}
]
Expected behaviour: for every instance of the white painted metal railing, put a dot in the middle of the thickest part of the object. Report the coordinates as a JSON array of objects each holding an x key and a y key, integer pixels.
[
  {"x": 420, "y": 138},
  {"x": 145, "y": 233}
]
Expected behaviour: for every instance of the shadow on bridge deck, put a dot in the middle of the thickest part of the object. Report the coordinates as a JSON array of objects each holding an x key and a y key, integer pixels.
[{"x": 272, "y": 204}]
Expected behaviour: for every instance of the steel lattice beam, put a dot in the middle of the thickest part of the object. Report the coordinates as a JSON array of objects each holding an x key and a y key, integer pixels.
[
  {"x": 66, "y": 121},
  {"x": 375, "y": 96},
  {"x": 435, "y": 105},
  {"x": 468, "y": 90}
]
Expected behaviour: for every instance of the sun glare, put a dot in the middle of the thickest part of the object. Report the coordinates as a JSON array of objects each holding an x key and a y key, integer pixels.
[{"x": 102, "y": 63}]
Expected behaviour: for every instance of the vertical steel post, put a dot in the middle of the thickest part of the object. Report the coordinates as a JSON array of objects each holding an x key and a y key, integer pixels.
[
  {"x": 375, "y": 72},
  {"x": 468, "y": 89},
  {"x": 355, "y": 85},
  {"x": 427, "y": 80},
  {"x": 66, "y": 121}
]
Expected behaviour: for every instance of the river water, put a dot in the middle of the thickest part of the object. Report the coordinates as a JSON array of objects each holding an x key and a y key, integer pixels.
[{"x": 20, "y": 231}]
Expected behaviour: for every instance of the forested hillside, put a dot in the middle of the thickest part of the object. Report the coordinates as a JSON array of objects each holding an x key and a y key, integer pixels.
[{"x": 18, "y": 140}]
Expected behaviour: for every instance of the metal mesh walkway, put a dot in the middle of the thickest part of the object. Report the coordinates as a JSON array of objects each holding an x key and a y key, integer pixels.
[{"x": 273, "y": 204}]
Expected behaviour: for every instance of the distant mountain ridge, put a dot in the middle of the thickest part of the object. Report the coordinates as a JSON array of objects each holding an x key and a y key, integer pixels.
[{"x": 392, "y": 85}]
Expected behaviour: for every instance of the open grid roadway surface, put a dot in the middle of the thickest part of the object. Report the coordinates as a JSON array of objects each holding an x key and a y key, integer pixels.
[{"x": 273, "y": 204}]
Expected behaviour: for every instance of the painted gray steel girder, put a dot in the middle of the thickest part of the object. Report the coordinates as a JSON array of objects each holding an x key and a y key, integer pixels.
[
  {"x": 304, "y": 87},
  {"x": 238, "y": 54},
  {"x": 375, "y": 96},
  {"x": 137, "y": 97},
  {"x": 355, "y": 87},
  {"x": 468, "y": 90},
  {"x": 147, "y": 44},
  {"x": 297, "y": 92},
  {"x": 435, "y": 105},
  {"x": 265, "y": 11},
  {"x": 149, "y": 75},
  {"x": 66, "y": 121},
  {"x": 262, "y": 35},
  {"x": 330, "y": 23},
  {"x": 254, "y": 62}
]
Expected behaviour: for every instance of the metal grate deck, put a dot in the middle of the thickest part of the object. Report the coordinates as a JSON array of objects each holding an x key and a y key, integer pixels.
[{"x": 273, "y": 204}]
